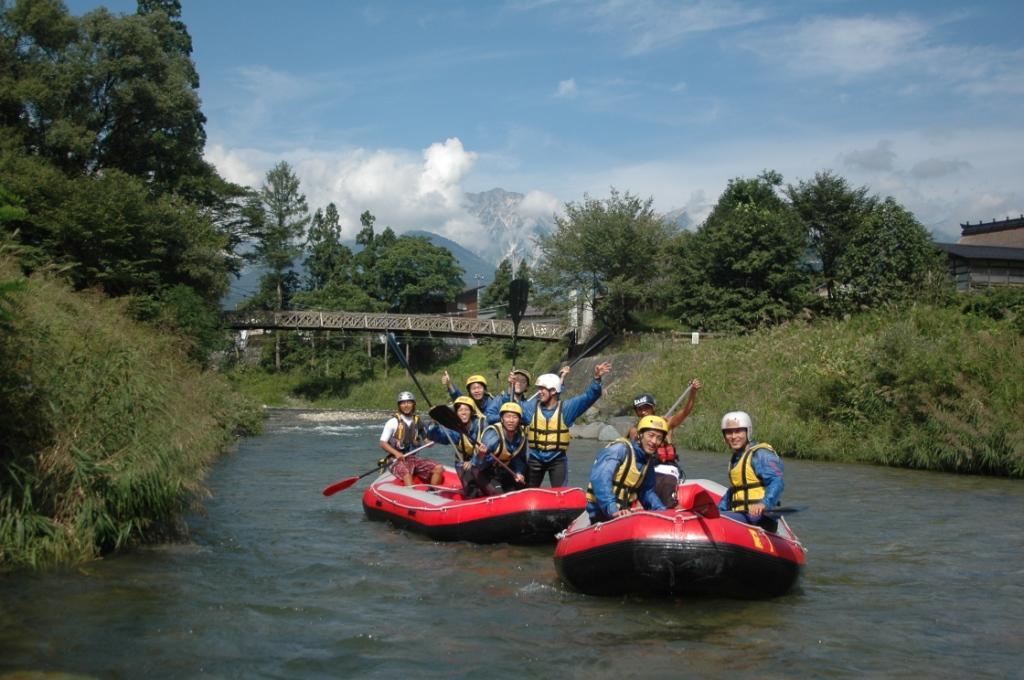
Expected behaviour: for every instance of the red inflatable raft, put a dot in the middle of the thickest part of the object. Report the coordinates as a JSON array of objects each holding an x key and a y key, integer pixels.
[
  {"x": 690, "y": 550},
  {"x": 524, "y": 516}
]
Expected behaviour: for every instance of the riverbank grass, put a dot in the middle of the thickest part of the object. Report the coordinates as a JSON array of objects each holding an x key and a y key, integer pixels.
[{"x": 108, "y": 430}]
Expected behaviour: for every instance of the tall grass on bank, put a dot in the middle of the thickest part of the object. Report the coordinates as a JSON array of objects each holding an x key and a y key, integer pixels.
[
  {"x": 919, "y": 387},
  {"x": 107, "y": 431}
]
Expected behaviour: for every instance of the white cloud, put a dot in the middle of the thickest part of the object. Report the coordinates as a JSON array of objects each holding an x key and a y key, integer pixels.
[
  {"x": 538, "y": 205},
  {"x": 857, "y": 48},
  {"x": 566, "y": 88}
]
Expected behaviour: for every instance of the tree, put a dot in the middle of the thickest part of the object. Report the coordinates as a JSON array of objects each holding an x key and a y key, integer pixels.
[
  {"x": 103, "y": 91},
  {"x": 890, "y": 258},
  {"x": 606, "y": 249},
  {"x": 832, "y": 213},
  {"x": 279, "y": 218},
  {"x": 742, "y": 267},
  {"x": 496, "y": 294},
  {"x": 329, "y": 260},
  {"x": 416, "y": 276}
]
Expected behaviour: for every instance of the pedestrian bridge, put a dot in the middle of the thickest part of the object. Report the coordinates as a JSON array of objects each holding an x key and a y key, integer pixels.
[{"x": 313, "y": 320}]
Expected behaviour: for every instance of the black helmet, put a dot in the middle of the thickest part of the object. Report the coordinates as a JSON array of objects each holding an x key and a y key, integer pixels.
[{"x": 644, "y": 400}]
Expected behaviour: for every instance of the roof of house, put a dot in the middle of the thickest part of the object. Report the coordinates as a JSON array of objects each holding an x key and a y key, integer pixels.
[
  {"x": 972, "y": 252},
  {"x": 968, "y": 229}
]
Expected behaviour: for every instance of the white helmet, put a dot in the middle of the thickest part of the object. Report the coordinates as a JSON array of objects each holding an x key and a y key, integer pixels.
[
  {"x": 549, "y": 381},
  {"x": 406, "y": 396},
  {"x": 735, "y": 419}
]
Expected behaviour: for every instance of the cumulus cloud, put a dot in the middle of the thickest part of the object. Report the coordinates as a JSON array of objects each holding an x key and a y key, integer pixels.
[
  {"x": 881, "y": 157},
  {"x": 538, "y": 205}
]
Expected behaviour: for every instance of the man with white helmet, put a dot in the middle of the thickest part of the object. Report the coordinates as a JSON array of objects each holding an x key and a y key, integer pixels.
[
  {"x": 623, "y": 473},
  {"x": 404, "y": 431},
  {"x": 548, "y": 420},
  {"x": 755, "y": 474}
]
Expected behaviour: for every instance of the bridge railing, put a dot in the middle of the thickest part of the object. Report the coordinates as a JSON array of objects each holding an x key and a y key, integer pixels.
[{"x": 416, "y": 323}]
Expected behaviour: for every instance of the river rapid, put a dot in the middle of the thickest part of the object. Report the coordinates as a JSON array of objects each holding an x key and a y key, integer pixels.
[{"x": 909, "y": 574}]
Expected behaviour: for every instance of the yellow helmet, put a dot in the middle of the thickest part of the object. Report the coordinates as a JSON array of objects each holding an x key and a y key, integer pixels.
[
  {"x": 652, "y": 423},
  {"x": 511, "y": 407},
  {"x": 476, "y": 379},
  {"x": 467, "y": 401}
]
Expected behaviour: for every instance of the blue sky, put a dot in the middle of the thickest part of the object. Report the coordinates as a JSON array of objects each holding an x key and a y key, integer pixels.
[{"x": 403, "y": 107}]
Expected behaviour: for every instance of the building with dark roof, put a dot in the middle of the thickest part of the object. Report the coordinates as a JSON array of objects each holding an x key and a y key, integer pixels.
[{"x": 987, "y": 254}]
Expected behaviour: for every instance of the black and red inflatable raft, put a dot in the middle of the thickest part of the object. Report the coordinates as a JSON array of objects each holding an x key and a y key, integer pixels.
[
  {"x": 524, "y": 516},
  {"x": 690, "y": 550}
]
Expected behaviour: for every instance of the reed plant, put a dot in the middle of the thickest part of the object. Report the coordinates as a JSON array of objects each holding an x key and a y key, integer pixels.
[
  {"x": 916, "y": 386},
  {"x": 108, "y": 430}
]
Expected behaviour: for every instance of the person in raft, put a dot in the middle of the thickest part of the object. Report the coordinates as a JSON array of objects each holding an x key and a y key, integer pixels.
[
  {"x": 476, "y": 385},
  {"x": 548, "y": 420},
  {"x": 519, "y": 380},
  {"x": 403, "y": 432},
  {"x": 755, "y": 474},
  {"x": 462, "y": 440},
  {"x": 504, "y": 441},
  {"x": 668, "y": 467},
  {"x": 623, "y": 473}
]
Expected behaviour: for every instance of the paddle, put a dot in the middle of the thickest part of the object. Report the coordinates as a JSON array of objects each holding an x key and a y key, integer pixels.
[
  {"x": 679, "y": 401},
  {"x": 446, "y": 417},
  {"x": 518, "y": 291},
  {"x": 393, "y": 344},
  {"x": 785, "y": 510},
  {"x": 349, "y": 481}
]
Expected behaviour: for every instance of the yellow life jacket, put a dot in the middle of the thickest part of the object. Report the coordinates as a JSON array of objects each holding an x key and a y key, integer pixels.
[
  {"x": 503, "y": 453},
  {"x": 747, "y": 488},
  {"x": 548, "y": 434},
  {"x": 465, "y": 445},
  {"x": 628, "y": 477},
  {"x": 408, "y": 438}
]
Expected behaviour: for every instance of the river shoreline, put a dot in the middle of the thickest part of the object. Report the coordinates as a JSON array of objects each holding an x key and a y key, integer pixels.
[{"x": 601, "y": 430}]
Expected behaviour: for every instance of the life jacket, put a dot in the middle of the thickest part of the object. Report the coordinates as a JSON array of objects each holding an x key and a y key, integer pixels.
[
  {"x": 628, "y": 477},
  {"x": 503, "y": 453},
  {"x": 747, "y": 488},
  {"x": 407, "y": 438},
  {"x": 465, "y": 445},
  {"x": 548, "y": 434}
]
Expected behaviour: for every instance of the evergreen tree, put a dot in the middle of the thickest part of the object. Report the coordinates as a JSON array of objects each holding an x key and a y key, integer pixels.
[
  {"x": 496, "y": 294},
  {"x": 329, "y": 260},
  {"x": 279, "y": 218}
]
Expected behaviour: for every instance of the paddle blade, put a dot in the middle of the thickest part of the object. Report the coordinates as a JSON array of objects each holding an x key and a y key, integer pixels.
[
  {"x": 340, "y": 486},
  {"x": 779, "y": 510},
  {"x": 444, "y": 415},
  {"x": 518, "y": 292}
]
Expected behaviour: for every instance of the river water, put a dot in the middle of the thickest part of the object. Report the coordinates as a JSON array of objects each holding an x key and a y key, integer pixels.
[{"x": 909, "y": 574}]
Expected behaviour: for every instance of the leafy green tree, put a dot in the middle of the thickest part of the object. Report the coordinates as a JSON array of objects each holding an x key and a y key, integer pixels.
[
  {"x": 278, "y": 220},
  {"x": 496, "y": 294},
  {"x": 892, "y": 257},
  {"x": 743, "y": 267},
  {"x": 416, "y": 276},
  {"x": 103, "y": 91},
  {"x": 609, "y": 249},
  {"x": 832, "y": 213}
]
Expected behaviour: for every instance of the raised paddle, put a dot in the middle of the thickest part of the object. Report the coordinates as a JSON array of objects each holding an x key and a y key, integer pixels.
[
  {"x": 446, "y": 417},
  {"x": 349, "y": 481},
  {"x": 393, "y": 344},
  {"x": 518, "y": 292},
  {"x": 679, "y": 401}
]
